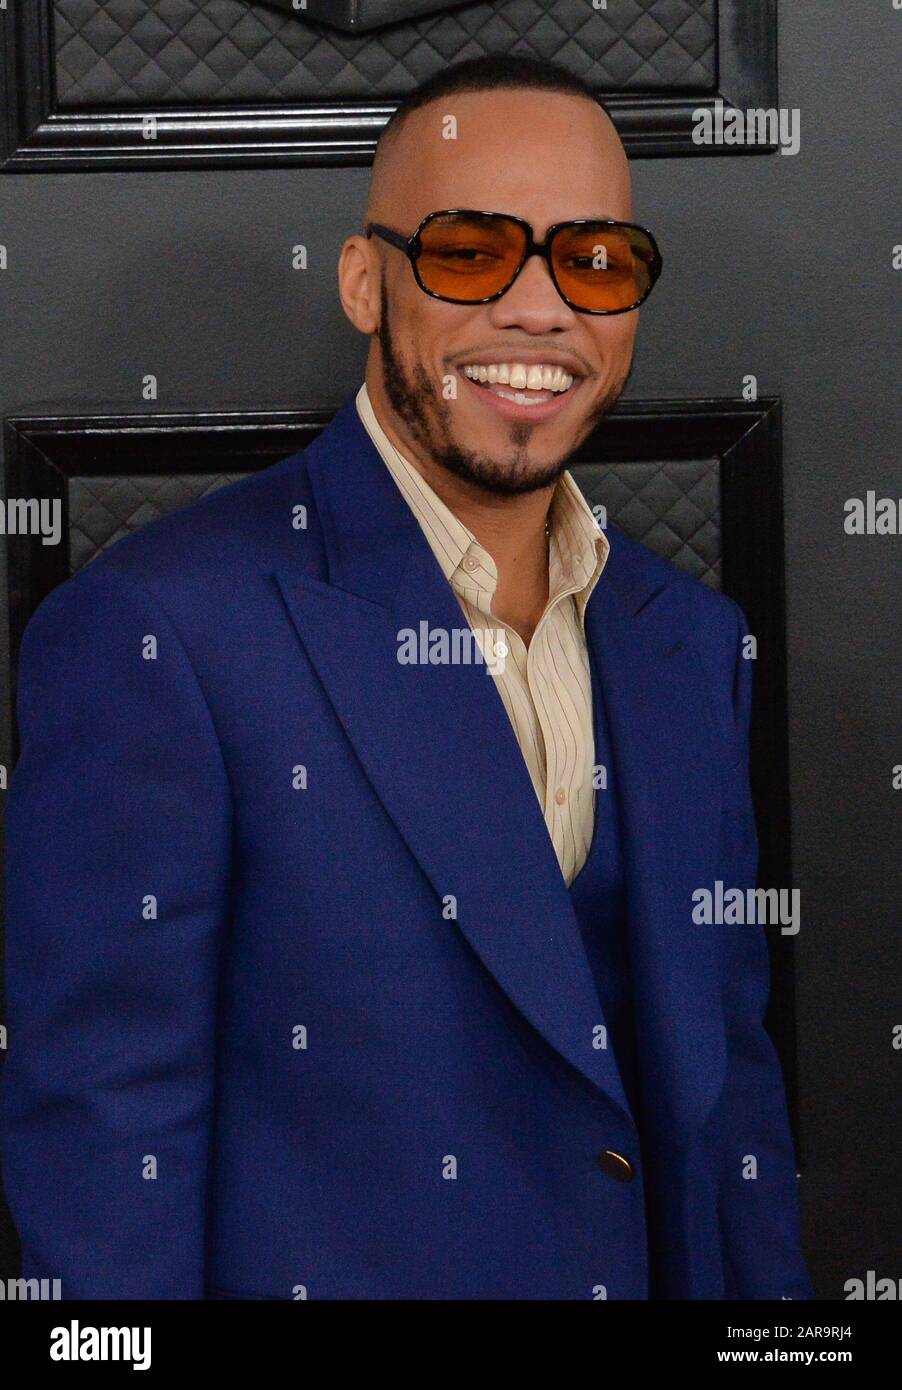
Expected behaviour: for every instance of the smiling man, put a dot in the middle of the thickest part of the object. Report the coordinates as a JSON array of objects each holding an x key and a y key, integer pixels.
[{"x": 338, "y": 975}]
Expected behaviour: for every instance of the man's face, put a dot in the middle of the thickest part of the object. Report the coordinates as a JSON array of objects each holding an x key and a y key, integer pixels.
[{"x": 542, "y": 156}]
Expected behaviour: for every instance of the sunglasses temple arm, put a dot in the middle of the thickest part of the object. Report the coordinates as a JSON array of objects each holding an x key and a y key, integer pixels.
[{"x": 393, "y": 238}]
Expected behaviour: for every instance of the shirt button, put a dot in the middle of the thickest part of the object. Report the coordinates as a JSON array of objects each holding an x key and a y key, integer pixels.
[
  {"x": 500, "y": 649},
  {"x": 560, "y": 796},
  {"x": 616, "y": 1166},
  {"x": 470, "y": 562}
]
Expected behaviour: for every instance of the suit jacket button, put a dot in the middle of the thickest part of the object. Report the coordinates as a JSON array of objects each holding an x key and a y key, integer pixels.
[{"x": 616, "y": 1166}]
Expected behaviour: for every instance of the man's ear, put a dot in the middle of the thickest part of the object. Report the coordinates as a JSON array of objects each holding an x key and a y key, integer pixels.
[{"x": 359, "y": 285}]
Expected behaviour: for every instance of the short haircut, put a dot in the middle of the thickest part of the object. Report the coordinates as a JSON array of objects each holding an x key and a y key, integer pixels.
[{"x": 491, "y": 72}]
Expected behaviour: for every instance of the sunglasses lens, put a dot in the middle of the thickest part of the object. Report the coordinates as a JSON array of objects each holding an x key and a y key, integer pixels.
[
  {"x": 467, "y": 257},
  {"x": 603, "y": 268}
]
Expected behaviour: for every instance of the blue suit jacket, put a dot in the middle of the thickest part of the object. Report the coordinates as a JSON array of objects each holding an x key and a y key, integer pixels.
[{"x": 253, "y": 1052}]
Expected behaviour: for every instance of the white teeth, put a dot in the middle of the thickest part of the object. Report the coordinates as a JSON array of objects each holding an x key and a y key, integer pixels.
[
  {"x": 534, "y": 377},
  {"x": 519, "y": 398}
]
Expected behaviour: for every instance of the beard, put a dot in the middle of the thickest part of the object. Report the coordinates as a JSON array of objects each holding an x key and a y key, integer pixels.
[{"x": 417, "y": 400}]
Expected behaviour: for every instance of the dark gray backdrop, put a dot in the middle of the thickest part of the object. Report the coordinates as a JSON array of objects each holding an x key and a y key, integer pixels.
[{"x": 776, "y": 266}]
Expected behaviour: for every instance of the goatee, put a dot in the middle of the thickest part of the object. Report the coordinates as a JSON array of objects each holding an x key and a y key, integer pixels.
[{"x": 417, "y": 400}]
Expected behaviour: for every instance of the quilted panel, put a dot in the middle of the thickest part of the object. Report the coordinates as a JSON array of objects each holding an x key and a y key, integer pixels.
[
  {"x": 169, "y": 52},
  {"x": 673, "y": 507},
  {"x": 102, "y": 510},
  {"x": 356, "y": 15}
]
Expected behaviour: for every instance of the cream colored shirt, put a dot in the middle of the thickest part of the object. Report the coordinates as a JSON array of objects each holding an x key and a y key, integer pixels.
[{"x": 547, "y": 687}]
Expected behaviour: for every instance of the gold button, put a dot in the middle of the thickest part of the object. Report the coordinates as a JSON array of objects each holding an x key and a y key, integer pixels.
[{"x": 616, "y": 1166}]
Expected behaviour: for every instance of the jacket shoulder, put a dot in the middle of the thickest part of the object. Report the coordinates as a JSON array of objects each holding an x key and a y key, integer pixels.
[
  {"x": 198, "y": 565},
  {"x": 241, "y": 522},
  {"x": 703, "y": 610}
]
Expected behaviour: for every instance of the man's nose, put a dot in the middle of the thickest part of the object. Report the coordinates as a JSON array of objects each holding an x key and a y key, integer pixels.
[{"x": 532, "y": 302}]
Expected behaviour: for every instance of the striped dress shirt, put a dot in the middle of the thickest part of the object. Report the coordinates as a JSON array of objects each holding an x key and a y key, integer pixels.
[{"x": 547, "y": 687}]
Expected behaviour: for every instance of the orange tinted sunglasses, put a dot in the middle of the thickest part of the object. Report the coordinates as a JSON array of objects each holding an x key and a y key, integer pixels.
[{"x": 463, "y": 256}]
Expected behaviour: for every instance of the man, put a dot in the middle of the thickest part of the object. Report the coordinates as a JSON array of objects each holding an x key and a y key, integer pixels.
[{"x": 342, "y": 965}]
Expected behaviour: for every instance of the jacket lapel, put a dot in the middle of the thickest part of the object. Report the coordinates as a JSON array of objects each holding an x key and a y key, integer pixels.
[
  {"x": 438, "y": 747},
  {"x": 665, "y": 761},
  {"x": 441, "y": 755}
]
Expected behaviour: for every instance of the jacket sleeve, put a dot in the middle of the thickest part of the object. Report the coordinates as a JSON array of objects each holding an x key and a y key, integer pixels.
[
  {"x": 759, "y": 1204},
  {"x": 118, "y": 839}
]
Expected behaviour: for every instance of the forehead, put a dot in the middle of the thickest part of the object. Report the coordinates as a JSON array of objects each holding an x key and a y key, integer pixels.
[{"x": 545, "y": 156}]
